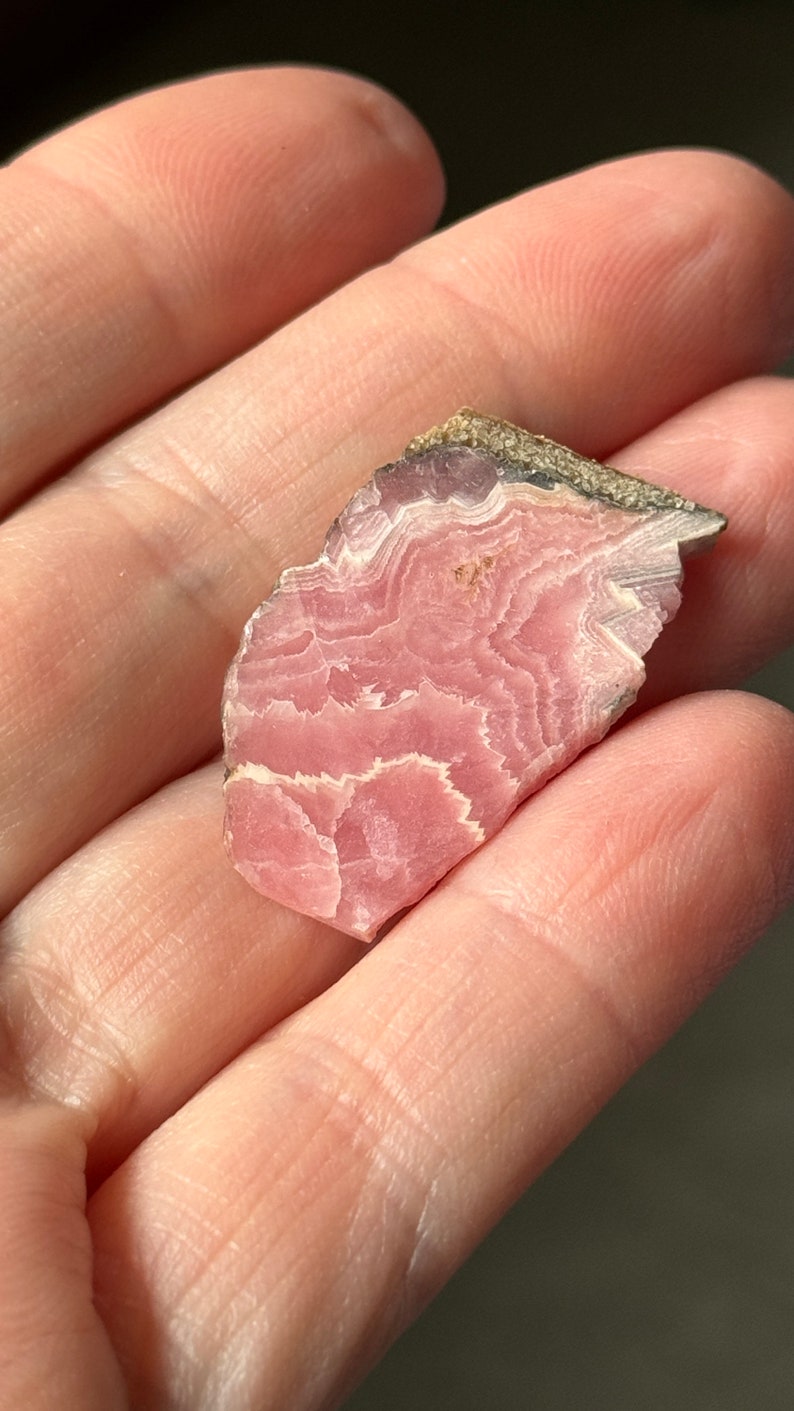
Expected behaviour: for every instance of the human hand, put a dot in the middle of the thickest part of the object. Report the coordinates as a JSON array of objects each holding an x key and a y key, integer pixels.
[{"x": 289, "y": 1151}]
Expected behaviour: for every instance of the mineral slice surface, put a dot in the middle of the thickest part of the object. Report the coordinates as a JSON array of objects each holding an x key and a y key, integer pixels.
[{"x": 477, "y": 617}]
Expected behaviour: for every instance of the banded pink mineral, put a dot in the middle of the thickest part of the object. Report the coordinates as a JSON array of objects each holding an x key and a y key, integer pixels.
[{"x": 478, "y": 616}]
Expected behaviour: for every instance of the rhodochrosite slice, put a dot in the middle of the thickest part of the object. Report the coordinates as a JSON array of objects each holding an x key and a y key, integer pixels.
[{"x": 478, "y": 616}]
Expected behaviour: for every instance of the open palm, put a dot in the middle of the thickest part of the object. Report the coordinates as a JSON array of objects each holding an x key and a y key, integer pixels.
[{"x": 287, "y": 1148}]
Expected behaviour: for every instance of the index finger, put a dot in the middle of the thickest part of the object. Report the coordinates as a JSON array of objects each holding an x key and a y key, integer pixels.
[{"x": 159, "y": 237}]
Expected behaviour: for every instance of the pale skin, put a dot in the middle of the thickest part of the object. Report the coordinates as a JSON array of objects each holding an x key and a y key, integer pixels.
[{"x": 288, "y": 1148}]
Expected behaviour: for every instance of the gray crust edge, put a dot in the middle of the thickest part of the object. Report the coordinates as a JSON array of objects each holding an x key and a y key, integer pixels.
[{"x": 538, "y": 455}]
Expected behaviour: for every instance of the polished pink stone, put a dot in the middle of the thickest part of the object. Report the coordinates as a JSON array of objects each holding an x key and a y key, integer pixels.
[{"x": 478, "y": 616}]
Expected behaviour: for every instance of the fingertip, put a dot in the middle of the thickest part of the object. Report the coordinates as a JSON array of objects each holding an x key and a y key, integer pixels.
[
  {"x": 707, "y": 207},
  {"x": 410, "y": 179},
  {"x": 720, "y": 771},
  {"x": 386, "y": 114},
  {"x": 373, "y": 114}
]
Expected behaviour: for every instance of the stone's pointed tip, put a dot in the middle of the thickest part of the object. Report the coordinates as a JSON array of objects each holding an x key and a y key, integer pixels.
[
  {"x": 704, "y": 530},
  {"x": 477, "y": 618}
]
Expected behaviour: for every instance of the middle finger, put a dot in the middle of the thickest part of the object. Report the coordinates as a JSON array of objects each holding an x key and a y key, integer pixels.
[
  {"x": 144, "y": 964},
  {"x": 589, "y": 309}
]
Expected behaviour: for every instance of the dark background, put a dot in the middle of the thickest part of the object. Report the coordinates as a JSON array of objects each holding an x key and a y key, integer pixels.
[{"x": 653, "y": 1267}]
